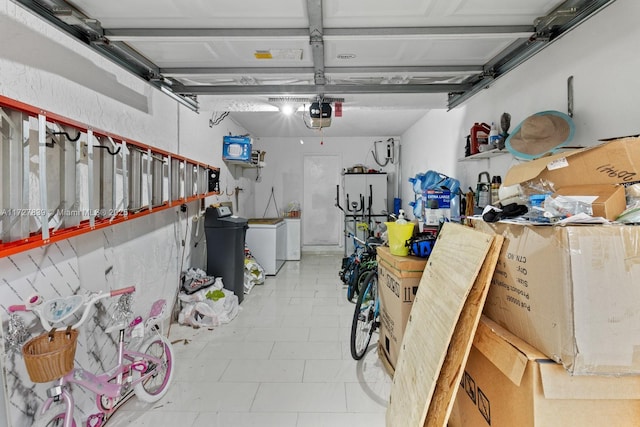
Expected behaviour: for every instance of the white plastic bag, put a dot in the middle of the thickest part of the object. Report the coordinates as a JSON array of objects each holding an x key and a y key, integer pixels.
[
  {"x": 253, "y": 274},
  {"x": 210, "y": 307}
]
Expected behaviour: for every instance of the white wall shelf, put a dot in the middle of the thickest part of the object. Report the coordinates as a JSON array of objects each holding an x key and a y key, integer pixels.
[
  {"x": 485, "y": 155},
  {"x": 242, "y": 164}
]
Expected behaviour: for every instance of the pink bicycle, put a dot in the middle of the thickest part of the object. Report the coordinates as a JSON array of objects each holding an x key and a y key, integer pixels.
[{"x": 145, "y": 372}]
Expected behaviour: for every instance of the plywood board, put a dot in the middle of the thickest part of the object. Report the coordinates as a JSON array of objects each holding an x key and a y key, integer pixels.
[
  {"x": 447, "y": 384},
  {"x": 446, "y": 282}
]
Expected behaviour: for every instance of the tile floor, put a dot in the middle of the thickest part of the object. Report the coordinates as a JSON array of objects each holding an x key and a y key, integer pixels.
[{"x": 284, "y": 361}]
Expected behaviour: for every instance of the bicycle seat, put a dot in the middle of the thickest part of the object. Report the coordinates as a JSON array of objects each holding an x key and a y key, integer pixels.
[
  {"x": 59, "y": 309},
  {"x": 157, "y": 314}
]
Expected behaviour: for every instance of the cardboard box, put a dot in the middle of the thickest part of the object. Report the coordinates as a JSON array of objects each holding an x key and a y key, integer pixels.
[
  {"x": 610, "y": 200},
  {"x": 398, "y": 280},
  {"x": 616, "y": 161},
  {"x": 507, "y": 383},
  {"x": 572, "y": 292}
]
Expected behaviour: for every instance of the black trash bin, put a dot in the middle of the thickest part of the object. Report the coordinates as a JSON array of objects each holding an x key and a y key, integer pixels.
[{"x": 225, "y": 236}]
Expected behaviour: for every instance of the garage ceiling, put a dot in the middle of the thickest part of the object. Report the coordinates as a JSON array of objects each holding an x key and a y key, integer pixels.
[{"x": 388, "y": 61}]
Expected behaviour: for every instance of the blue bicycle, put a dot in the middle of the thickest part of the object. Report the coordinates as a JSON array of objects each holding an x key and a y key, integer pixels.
[
  {"x": 366, "y": 315},
  {"x": 355, "y": 266}
]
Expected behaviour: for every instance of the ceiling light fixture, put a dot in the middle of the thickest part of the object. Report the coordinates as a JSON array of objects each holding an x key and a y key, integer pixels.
[
  {"x": 191, "y": 104},
  {"x": 287, "y": 109}
]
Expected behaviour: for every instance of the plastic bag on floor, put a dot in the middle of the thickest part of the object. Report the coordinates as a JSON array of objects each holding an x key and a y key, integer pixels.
[
  {"x": 195, "y": 279},
  {"x": 201, "y": 295},
  {"x": 253, "y": 274},
  {"x": 210, "y": 307}
]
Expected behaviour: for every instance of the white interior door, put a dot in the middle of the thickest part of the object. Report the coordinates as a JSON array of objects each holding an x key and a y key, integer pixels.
[{"x": 321, "y": 220}]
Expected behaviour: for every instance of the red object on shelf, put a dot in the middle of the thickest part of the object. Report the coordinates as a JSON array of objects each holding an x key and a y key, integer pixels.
[{"x": 479, "y": 135}]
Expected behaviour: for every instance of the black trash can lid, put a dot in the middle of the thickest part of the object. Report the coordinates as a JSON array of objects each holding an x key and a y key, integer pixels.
[{"x": 220, "y": 217}]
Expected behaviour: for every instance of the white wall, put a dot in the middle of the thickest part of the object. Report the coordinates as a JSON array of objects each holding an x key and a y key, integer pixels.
[
  {"x": 42, "y": 67},
  {"x": 284, "y": 172},
  {"x": 601, "y": 56},
  {"x": 79, "y": 84}
]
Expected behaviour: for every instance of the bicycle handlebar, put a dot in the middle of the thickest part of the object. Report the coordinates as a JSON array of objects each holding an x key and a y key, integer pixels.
[
  {"x": 362, "y": 242},
  {"x": 14, "y": 308},
  {"x": 87, "y": 300},
  {"x": 128, "y": 290},
  {"x": 354, "y": 237}
]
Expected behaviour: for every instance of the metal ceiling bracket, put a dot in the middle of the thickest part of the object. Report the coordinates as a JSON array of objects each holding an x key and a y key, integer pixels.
[
  {"x": 112, "y": 44},
  {"x": 548, "y": 28},
  {"x": 311, "y": 89},
  {"x": 316, "y": 31}
]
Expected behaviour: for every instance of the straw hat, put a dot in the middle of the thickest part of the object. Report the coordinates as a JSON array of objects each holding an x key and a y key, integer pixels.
[{"x": 540, "y": 134}]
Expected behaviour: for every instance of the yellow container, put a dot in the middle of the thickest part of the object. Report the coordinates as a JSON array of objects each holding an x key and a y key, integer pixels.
[{"x": 398, "y": 236}]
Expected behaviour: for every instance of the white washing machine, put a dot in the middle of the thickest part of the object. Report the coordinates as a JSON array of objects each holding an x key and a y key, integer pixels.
[{"x": 293, "y": 239}]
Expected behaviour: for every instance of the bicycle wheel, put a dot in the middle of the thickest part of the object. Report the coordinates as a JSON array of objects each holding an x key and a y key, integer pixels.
[
  {"x": 364, "y": 316},
  {"x": 54, "y": 417},
  {"x": 156, "y": 386},
  {"x": 365, "y": 267}
]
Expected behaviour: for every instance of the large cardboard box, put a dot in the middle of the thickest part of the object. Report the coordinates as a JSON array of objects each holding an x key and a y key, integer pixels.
[
  {"x": 508, "y": 383},
  {"x": 572, "y": 292},
  {"x": 616, "y": 161},
  {"x": 609, "y": 201},
  {"x": 398, "y": 280}
]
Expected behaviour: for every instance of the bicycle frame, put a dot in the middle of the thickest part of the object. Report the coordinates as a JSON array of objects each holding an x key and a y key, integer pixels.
[
  {"x": 117, "y": 384},
  {"x": 361, "y": 260},
  {"x": 103, "y": 385}
]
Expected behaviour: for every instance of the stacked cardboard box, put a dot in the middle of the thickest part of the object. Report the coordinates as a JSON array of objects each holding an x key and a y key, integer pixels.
[
  {"x": 562, "y": 346},
  {"x": 507, "y": 383},
  {"x": 596, "y": 171},
  {"x": 398, "y": 280},
  {"x": 571, "y": 292}
]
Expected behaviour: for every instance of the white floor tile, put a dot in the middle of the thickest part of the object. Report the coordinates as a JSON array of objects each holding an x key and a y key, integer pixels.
[
  {"x": 312, "y": 320},
  {"x": 284, "y": 361},
  {"x": 340, "y": 420},
  {"x": 186, "y": 348},
  {"x": 330, "y": 371},
  {"x": 264, "y": 371},
  {"x": 237, "y": 350},
  {"x": 152, "y": 419},
  {"x": 367, "y": 397},
  {"x": 306, "y": 350},
  {"x": 327, "y": 334},
  {"x": 278, "y": 334},
  {"x": 201, "y": 368},
  {"x": 300, "y": 397},
  {"x": 239, "y": 419},
  {"x": 214, "y": 396}
]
